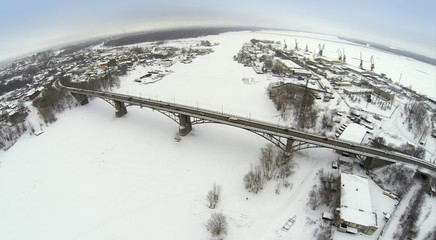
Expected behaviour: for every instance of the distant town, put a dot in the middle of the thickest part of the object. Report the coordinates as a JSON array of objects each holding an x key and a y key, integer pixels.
[{"x": 22, "y": 81}]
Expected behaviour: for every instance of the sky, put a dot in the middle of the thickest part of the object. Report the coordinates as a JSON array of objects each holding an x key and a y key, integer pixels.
[{"x": 28, "y": 25}]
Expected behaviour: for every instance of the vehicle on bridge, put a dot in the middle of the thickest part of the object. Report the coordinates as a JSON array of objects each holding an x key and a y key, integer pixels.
[{"x": 233, "y": 119}]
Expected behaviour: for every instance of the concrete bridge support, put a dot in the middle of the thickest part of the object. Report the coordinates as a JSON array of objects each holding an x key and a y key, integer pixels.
[
  {"x": 373, "y": 163},
  {"x": 82, "y": 99},
  {"x": 289, "y": 147},
  {"x": 185, "y": 124},
  {"x": 120, "y": 108}
]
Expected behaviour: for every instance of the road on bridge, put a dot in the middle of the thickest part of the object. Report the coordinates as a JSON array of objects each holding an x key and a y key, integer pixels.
[{"x": 256, "y": 126}]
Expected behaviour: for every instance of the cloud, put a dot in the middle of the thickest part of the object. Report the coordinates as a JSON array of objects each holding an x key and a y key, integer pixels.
[{"x": 40, "y": 23}]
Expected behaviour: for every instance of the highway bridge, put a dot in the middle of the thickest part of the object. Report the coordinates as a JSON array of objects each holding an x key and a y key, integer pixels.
[{"x": 286, "y": 138}]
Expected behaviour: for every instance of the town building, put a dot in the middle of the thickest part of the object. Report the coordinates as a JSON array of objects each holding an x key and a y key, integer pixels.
[
  {"x": 353, "y": 133},
  {"x": 354, "y": 212}
]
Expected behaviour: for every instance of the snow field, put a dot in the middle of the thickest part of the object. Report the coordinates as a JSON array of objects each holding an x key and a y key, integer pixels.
[
  {"x": 93, "y": 176},
  {"x": 127, "y": 171},
  {"x": 129, "y": 178}
]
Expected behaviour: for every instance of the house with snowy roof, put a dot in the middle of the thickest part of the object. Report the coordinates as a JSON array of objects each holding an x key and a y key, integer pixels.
[{"x": 354, "y": 212}]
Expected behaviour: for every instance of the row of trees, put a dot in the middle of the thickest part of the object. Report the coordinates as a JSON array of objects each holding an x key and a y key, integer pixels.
[
  {"x": 217, "y": 224},
  {"x": 417, "y": 119},
  {"x": 273, "y": 164},
  {"x": 327, "y": 121},
  {"x": 409, "y": 219},
  {"x": 324, "y": 192},
  {"x": 296, "y": 99},
  {"x": 9, "y": 134},
  {"x": 394, "y": 178},
  {"x": 105, "y": 82},
  {"x": 406, "y": 148},
  {"x": 274, "y": 65},
  {"x": 52, "y": 101}
]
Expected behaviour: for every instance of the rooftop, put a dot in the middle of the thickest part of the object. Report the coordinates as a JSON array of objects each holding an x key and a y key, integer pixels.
[
  {"x": 353, "y": 133},
  {"x": 290, "y": 64},
  {"x": 355, "y": 200}
]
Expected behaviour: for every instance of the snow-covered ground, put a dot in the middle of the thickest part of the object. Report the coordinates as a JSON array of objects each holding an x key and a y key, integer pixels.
[{"x": 94, "y": 176}]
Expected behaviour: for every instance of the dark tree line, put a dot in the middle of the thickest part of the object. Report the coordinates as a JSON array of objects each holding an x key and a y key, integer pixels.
[
  {"x": 415, "y": 151},
  {"x": 13, "y": 85},
  {"x": 301, "y": 101},
  {"x": 12, "y": 133},
  {"x": 52, "y": 101},
  {"x": 324, "y": 191},
  {"x": 394, "y": 178},
  {"x": 416, "y": 119},
  {"x": 409, "y": 219},
  {"x": 105, "y": 82}
]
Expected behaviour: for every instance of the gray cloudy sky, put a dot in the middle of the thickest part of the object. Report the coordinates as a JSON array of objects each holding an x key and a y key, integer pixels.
[{"x": 31, "y": 25}]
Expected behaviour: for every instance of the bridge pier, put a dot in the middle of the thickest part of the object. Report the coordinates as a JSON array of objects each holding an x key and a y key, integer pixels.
[
  {"x": 82, "y": 99},
  {"x": 289, "y": 147},
  {"x": 185, "y": 124},
  {"x": 120, "y": 108},
  {"x": 373, "y": 163}
]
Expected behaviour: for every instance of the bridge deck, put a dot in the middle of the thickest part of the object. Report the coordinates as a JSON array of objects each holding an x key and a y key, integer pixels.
[{"x": 257, "y": 126}]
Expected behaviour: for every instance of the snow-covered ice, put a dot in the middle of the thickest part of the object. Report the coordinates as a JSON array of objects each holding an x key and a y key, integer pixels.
[{"x": 94, "y": 176}]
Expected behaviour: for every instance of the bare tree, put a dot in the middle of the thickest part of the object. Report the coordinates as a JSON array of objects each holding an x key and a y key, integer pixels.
[
  {"x": 253, "y": 180},
  {"x": 274, "y": 163},
  {"x": 314, "y": 200},
  {"x": 217, "y": 224},
  {"x": 327, "y": 121},
  {"x": 284, "y": 165},
  {"x": 267, "y": 159},
  {"x": 324, "y": 232},
  {"x": 213, "y": 196},
  {"x": 417, "y": 118},
  {"x": 278, "y": 187}
]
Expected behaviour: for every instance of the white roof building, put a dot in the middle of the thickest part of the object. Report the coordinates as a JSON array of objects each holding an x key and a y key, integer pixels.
[
  {"x": 290, "y": 64},
  {"x": 357, "y": 90},
  {"x": 355, "y": 206},
  {"x": 353, "y": 133}
]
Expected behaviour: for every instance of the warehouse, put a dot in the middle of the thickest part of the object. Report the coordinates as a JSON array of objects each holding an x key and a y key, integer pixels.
[{"x": 355, "y": 207}]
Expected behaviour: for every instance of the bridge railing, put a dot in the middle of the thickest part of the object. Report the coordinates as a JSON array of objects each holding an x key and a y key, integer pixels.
[{"x": 277, "y": 129}]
